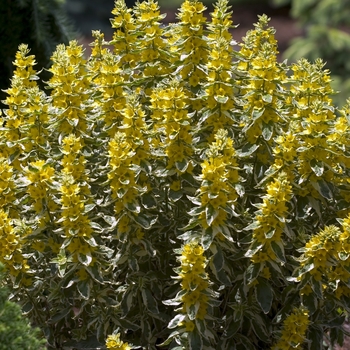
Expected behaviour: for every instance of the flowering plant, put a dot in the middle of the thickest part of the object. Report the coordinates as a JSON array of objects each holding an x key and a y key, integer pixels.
[{"x": 189, "y": 194}]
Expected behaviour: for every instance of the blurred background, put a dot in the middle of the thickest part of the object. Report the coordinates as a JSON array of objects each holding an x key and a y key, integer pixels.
[{"x": 304, "y": 28}]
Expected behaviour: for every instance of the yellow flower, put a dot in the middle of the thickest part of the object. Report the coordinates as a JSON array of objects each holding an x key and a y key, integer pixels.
[
  {"x": 189, "y": 326},
  {"x": 113, "y": 342}
]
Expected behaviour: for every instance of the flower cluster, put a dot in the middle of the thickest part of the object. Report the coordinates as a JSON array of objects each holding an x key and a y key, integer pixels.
[
  {"x": 312, "y": 120},
  {"x": 7, "y": 184},
  {"x": 40, "y": 175},
  {"x": 219, "y": 176},
  {"x": 125, "y": 35},
  {"x": 122, "y": 176},
  {"x": 152, "y": 47},
  {"x": 11, "y": 245},
  {"x": 270, "y": 220},
  {"x": 70, "y": 88},
  {"x": 109, "y": 79},
  {"x": 189, "y": 41},
  {"x": 219, "y": 91},
  {"x": 113, "y": 342},
  {"x": 170, "y": 113},
  {"x": 75, "y": 195},
  {"x": 262, "y": 82},
  {"x": 294, "y": 330},
  {"x": 194, "y": 283},
  {"x": 16, "y": 116},
  {"x": 326, "y": 259}
]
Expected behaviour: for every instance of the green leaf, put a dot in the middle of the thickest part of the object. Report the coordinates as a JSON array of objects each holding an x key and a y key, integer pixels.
[
  {"x": 306, "y": 268},
  {"x": 121, "y": 192},
  {"x": 317, "y": 288},
  {"x": 95, "y": 273},
  {"x": 257, "y": 113},
  {"x": 148, "y": 201},
  {"x": 253, "y": 272},
  {"x": 149, "y": 301},
  {"x": 274, "y": 266},
  {"x": 85, "y": 259},
  {"x": 127, "y": 302},
  {"x": 142, "y": 221},
  {"x": 260, "y": 329},
  {"x": 343, "y": 256},
  {"x": 267, "y": 98},
  {"x": 146, "y": 166},
  {"x": 201, "y": 326},
  {"x": 84, "y": 289},
  {"x": 110, "y": 220},
  {"x": 233, "y": 328},
  {"x": 195, "y": 340},
  {"x": 146, "y": 330},
  {"x": 336, "y": 322},
  {"x": 60, "y": 315},
  {"x": 278, "y": 249},
  {"x": 322, "y": 187},
  {"x": 133, "y": 264},
  {"x": 310, "y": 301},
  {"x": 218, "y": 259},
  {"x": 222, "y": 277},
  {"x": 247, "y": 150},
  {"x": 89, "y": 207},
  {"x": 148, "y": 247},
  {"x": 207, "y": 238},
  {"x": 171, "y": 302},
  {"x": 133, "y": 206},
  {"x": 210, "y": 214},
  {"x": 192, "y": 311},
  {"x": 252, "y": 226},
  {"x": 175, "y": 195},
  {"x": 264, "y": 295},
  {"x": 267, "y": 130},
  {"x": 125, "y": 324},
  {"x": 176, "y": 320},
  {"x": 317, "y": 167},
  {"x": 270, "y": 234},
  {"x": 253, "y": 249},
  {"x": 97, "y": 228},
  {"x": 316, "y": 336},
  {"x": 14, "y": 155},
  {"x": 27, "y": 308},
  {"x": 221, "y": 99},
  {"x": 182, "y": 166},
  {"x": 240, "y": 189}
]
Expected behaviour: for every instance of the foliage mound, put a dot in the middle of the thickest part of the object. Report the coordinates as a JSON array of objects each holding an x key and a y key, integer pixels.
[{"x": 177, "y": 188}]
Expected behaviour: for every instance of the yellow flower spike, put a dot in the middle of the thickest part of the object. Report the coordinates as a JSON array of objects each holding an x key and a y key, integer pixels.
[{"x": 293, "y": 330}]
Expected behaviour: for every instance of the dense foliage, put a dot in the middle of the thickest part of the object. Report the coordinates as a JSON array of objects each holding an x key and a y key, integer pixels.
[{"x": 174, "y": 190}]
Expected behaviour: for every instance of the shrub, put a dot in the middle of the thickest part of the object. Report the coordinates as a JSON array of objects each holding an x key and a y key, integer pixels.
[
  {"x": 15, "y": 331},
  {"x": 177, "y": 190}
]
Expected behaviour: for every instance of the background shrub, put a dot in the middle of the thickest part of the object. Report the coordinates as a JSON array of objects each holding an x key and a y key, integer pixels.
[{"x": 15, "y": 331}]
